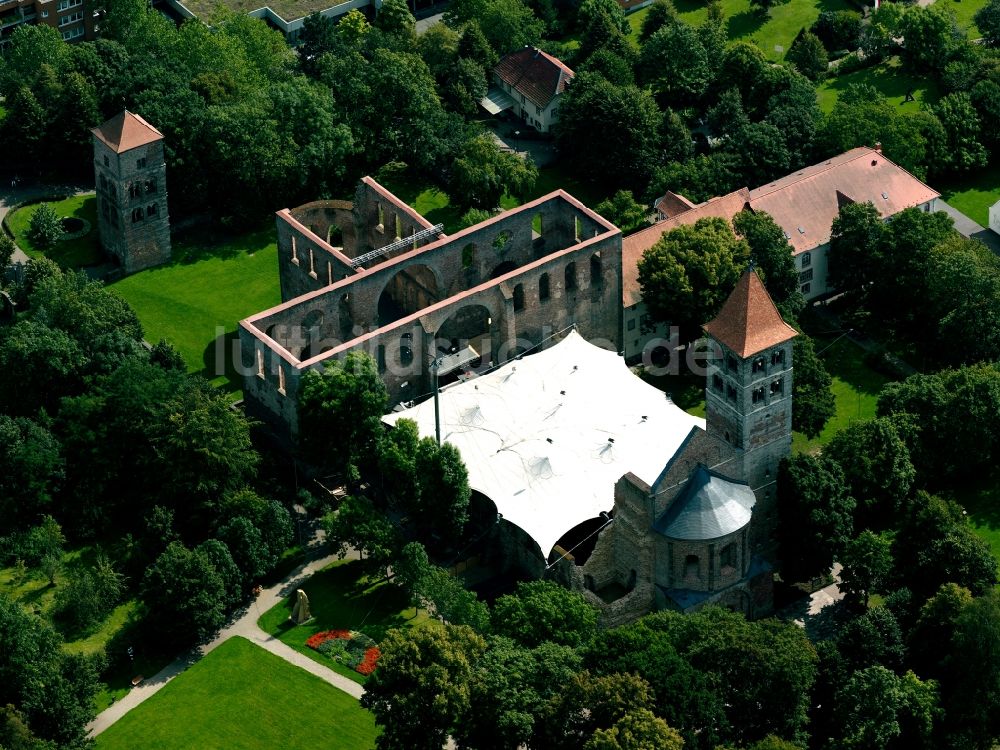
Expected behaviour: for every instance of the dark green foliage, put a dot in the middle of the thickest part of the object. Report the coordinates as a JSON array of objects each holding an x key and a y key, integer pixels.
[
  {"x": 185, "y": 596},
  {"x": 771, "y": 255},
  {"x": 689, "y": 272},
  {"x": 542, "y": 611},
  {"x": 52, "y": 690},
  {"x": 878, "y": 710},
  {"x": 855, "y": 238},
  {"x": 808, "y": 56},
  {"x": 6, "y": 249},
  {"x": 814, "y": 515},
  {"x": 622, "y": 211},
  {"x": 422, "y": 688},
  {"x": 394, "y": 17},
  {"x": 232, "y": 578},
  {"x": 972, "y": 695},
  {"x": 962, "y": 128},
  {"x": 31, "y": 469},
  {"x": 46, "y": 227},
  {"x": 89, "y": 596},
  {"x": 615, "y": 69},
  {"x": 340, "y": 413},
  {"x": 930, "y": 40},
  {"x": 872, "y": 638},
  {"x": 636, "y": 728},
  {"x": 38, "y": 365},
  {"x": 698, "y": 179},
  {"x": 812, "y": 400},
  {"x": 357, "y": 524},
  {"x": 451, "y": 601},
  {"x": 661, "y": 13},
  {"x": 877, "y": 467},
  {"x": 675, "y": 63},
  {"x": 602, "y": 32},
  {"x": 838, "y": 29},
  {"x": 481, "y": 174},
  {"x": 868, "y": 566},
  {"x": 987, "y": 20},
  {"x": 930, "y": 640}
]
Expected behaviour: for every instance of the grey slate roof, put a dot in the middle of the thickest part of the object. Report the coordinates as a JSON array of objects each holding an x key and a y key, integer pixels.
[{"x": 708, "y": 507}]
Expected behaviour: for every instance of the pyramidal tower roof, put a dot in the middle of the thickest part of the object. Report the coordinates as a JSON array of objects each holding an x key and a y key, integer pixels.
[
  {"x": 126, "y": 131},
  {"x": 749, "y": 322}
]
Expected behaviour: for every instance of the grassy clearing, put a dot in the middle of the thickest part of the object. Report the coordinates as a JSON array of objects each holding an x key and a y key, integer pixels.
[
  {"x": 964, "y": 10},
  {"x": 772, "y": 33},
  {"x": 240, "y": 696},
  {"x": 890, "y": 79},
  {"x": 196, "y": 301},
  {"x": 341, "y": 596},
  {"x": 76, "y": 253},
  {"x": 982, "y": 502},
  {"x": 974, "y": 194},
  {"x": 855, "y": 389}
]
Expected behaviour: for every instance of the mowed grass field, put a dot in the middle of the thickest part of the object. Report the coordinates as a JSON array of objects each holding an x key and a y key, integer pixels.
[
  {"x": 196, "y": 302},
  {"x": 241, "y": 697},
  {"x": 973, "y": 194},
  {"x": 343, "y": 597},
  {"x": 82, "y": 251},
  {"x": 890, "y": 79}
]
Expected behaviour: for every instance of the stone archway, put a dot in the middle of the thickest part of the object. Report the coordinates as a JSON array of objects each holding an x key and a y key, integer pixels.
[
  {"x": 410, "y": 290},
  {"x": 468, "y": 325}
]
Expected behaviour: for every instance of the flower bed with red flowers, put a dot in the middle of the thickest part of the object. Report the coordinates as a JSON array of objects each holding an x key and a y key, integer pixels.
[{"x": 350, "y": 648}]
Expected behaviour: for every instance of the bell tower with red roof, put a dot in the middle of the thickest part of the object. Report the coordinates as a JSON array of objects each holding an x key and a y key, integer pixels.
[
  {"x": 748, "y": 391},
  {"x": 131, "y": 179}
]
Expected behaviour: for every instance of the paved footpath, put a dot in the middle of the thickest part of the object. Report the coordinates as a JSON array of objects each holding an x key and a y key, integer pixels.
[
  {"x": 246, "y": 626},
  {"x": 11, "y": 196}
]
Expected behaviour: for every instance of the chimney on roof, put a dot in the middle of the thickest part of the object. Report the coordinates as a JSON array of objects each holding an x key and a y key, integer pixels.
[{"x": 878, "y": 147}]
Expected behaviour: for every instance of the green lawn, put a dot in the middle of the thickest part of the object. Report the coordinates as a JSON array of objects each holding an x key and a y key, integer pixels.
[
  {"x": 889, "y": 78},
  {"x": 83, "y": 251},
  {"x": 342, "y": 597},
  {"x": 974, "y": 194},
  {"x": 855, "y": 389},
  {"x": 431, "y": 203},
  {"x": 982, "y": 503},
  {"x": 770, "y": 33},
  {"x": 241, "y": 696},
  {"x": 964, "y": 10},
  {"x": 197, "y": 300}
]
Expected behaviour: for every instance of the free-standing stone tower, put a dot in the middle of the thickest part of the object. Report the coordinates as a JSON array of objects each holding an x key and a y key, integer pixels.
[
  {"x": 748, "y": 393},
  {"x": 131, "y": 192}
]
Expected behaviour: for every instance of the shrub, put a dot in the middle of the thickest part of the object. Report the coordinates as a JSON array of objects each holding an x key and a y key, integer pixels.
[{"x": 45, "y": 228}]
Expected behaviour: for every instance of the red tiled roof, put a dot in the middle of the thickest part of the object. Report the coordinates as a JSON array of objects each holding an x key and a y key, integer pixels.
[
  {"x": 126, "y": 131},
  {"x": 671, "y": 204},
  {"x": 749, "y": 322},
  {"x": 534, "y": 73},
  {"x": 633, "y": 246},
  {"x": 810, "y": 199}
]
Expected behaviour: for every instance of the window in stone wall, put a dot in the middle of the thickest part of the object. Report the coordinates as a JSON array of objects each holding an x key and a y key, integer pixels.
[
  {"x": 777, "y": 387},
  {"x": 150, "y": 186},
  {"x": 136, "y": 215},
  {"x": 806, "y": 259},
  {"x": 731, "y": 363},
  {"x": 576, "y": 228},
  {"x": 777, "y": 356},
  {"x": 596, "y": 271},
  {"x": 381, "y": 217},
  {"x": 692, "y": 569},
  {"x": 152, "y": 209},
  {"x": 543, "y": 288},
  {"x": 134, "y": 190},
  {"x": 727, "y": 558},
  {"x": 758, "y": 394},
  {"x": 717, "y": 383},
  {"x": 312, "y": 263},
  {"x": 759, "y": 364},
  {"x": 380, "y": 357},
  {"x": 806, "y": 276},
  {"x": 570, "y": 277},
  {"x": 107, "y": 161},
  {"x": 731, "y": 393},
  {"x": 501, "y": 243},
  {"x": 140, "y": 163},
  {"x": 536, "y": 225},
  {"x": 631, "y": 324},
  {"x": 519, "y": 297},
  {"x": 469, "y": 255}
]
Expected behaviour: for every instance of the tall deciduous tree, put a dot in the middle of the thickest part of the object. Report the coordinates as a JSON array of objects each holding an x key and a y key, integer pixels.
[
  {"x": 814, "y": 515},
  {"x": 422, "y": 688},
  {"x": 808, "y": 56},
  {"x": 482, "y": 173},
  {"x": 340, "y": 412},
  {"x": 772, "y": 255},
  {"x": 987, "y": 21},
  {"x": 639, "y": 729},
  {"x": 962, "y": 129},
  {"x": 867, "y": 561},
  {"x": 688, "y": 274},
  {"x": 855, "y": 237},
  {"x": 545, "y": 611},
  {"x": 675, "y": 63},
  {"x": 358, "y": 525},
  {"x": 881, "y": 711},
  {"x": 31, "y": 469}
]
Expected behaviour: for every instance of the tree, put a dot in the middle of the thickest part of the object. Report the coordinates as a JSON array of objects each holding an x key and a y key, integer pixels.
[
  {"x": 7, "y": 248},
  {"x": 443, "y": 506},
  {"x": 544, "y": 611},
  {"x": 764, "y": 150},
  {"x": 587, "y": 703},
  {"x": 699, "y": 178},
  {"x": 986, "y": 100},
  {"x": 482, "y": 173},
  {"x": 45, "y": 228},
  {"x": 31, "y": 469},
  {"x": 687, "y": 275},
  {"x": 622, "y": 210},
  {"x": 873, "y": 637},
  {"x": 929, "y": 38},
  {"x": 794, "y": 111},
  {"x": 930, "y": 640},
  {"x": 855, "y": 238},
  {"x": 867, "y": 561},
  {"x": 772, "y": 256},
  {"x": 509, "y": 25},
  {"x": 318, "y": 36},
  {"x": 972, "y": 690},
  {"x": 614, "y": 68},
  {"x": 877, "y": 468},
  {"x": 590, "y": 9},
  {"x": 987, "y": 20},
  {"x": 450, "y": 601},
  {"x": 421, "y": 691},
  {"x": 248, "y": 551},
  {"x": 961, "y": 125},
  {"x": 232, "y": 578},
  {"x": 358, "y": 525},
  {"x": 880, "y": 711},
  {"x": 340, "y": 414},
  {"x": 394, "y": 17},
  {"x": 38, "y": 366},
  {"x": 593, "y": 107},
  {"x": 602, "y": 32},
  {"x": 838, "y": 29},
  {"x": 85, "y": 309},
  {"x": 636, "y": 730},
  {"x": 814, "y": 515},
  {"x": 89, "y": 597},
  {"x": 675, "y": 63},
  {"x": 185, "y": 596},
  {"x": 808, "y": 56},
  {"x": 512, "y": 686},
  {"x": 661, "y": 13},
  {"x": 812, "y": 400}
]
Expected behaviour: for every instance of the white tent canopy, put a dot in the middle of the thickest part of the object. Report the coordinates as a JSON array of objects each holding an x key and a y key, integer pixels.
[{"x": 546, "y": 437}]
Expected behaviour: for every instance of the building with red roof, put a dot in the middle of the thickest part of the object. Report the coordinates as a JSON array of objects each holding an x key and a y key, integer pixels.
[{"x": 529, "y": 82}]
